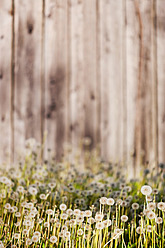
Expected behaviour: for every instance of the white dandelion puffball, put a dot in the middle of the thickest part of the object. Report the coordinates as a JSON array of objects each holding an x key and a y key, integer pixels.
[
  {"x": 62, "y": 207},
  {"x": 99, "y": 225},
  {"x": 53, "y": 239},
  {"x": 146, "y": 190},
  {"x": 124, "y": 218},
  {"x": 32, "y": 191},
  {"x": 103, "y": 200},
  {"x": 110, "y": 201}
]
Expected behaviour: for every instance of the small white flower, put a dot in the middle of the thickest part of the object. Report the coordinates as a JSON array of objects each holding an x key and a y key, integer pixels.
[
  {"x": 63, "y": 207},
  {"x": 53, "y": 239},
  {"x": 99, "y": 225},
  {"x": 124, "y": 218},
  {"x": 110, "y": 201},
  {"x": 103, "y": 200},
  {"x": 35, "y": 238},
  {"x": 146, "y": 190},
  {"x": 32, "y": 190}
]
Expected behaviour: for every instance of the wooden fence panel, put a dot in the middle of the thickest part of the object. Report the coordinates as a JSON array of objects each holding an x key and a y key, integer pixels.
[
  {"x": 111, "y": 80},
  {"x": 77, "y": 83},
  {"x": 27, "y": 115},
  {"x": 5, "y": 79},
  {"x": 84, "y": 68},
  {"x": 90, "y": 70},
  {"x": 161, "y": 78},
  {"x": 56, "y": 75}
]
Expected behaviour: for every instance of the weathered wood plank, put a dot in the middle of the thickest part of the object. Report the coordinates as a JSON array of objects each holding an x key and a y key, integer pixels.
[
  {"x": 90, "y": 70},
  {"x": 161, "y": 78},
  {"x": 132, "y": 71},
  {"x": 5, "y": 79},
  {"x": 77, "y": 84},
  {"x": 112, "y": 80},
  {"x": 56, "y": 75},
  {"x": 27, "y": 115}
]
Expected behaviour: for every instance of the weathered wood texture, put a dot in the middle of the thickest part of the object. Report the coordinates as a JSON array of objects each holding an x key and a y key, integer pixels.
[{"x": 77, "y": 68}]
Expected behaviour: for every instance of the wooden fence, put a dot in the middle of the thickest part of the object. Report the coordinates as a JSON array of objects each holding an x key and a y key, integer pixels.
[{"x": 81, "y": 68}]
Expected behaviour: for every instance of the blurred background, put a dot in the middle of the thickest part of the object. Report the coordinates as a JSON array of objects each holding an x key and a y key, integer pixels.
[{"x": 84, "y": 68}]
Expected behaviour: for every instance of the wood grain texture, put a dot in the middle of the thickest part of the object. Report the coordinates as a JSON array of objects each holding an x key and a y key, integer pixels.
[
  {"x": 161, "y": 78},
  {"x": 27, "y": 116},
  {"x": 77, "y": 61},
  {"x": 90, "y": 73},
  {"x": 111, "y": 76},
  {"x": 56, "y": 73},
  {"x": 132, "y": 71},
  {"x": 5, "y": 80},
  {"x": 77, "y": 68}
]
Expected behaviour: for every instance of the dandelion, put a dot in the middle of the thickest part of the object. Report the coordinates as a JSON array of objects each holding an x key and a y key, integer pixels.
[
  {"x": 46, "y": 224},
  {"x": 135, "y": 206},
  {"x": 36, "y": 233},
  {"x": 139, "y": 230},
  {"x": 17, "y": 214},
  {"x": 25, "y": 231},
  {"x": 63, "y": 207},
  {"x": 161, "y": 205},
  {"x": 110, "y": 201},
  {"x": 76, "y": 211},
  {"x": 91, "y": 220},
  {"x": 149, "y": 228},
  {"x": 146, "y": 190},
  {"x": 107, "y": 223},
  {"x": 124, "y": 218},
  {"x": 28, "y": 241},
  {"x": 99, "y": 225},
  {"x": 151, "y": 215},
  {"x": 7, "y": 206},
  {"x": 49, "y": 212},
  {"x": 99, "y": 217},
  {"x": 88, "y": 213},
  {"x": 42, "y": 196},
  {"x": 159, "y": 220},
  {"x": 53, "y": 239},
  {"x": 16, "y": 235},
  {"x": 35, "y": 238},
  {"x": 80, "y": 232},
  {"x": 103, "y": 200},
  {"x": 32, "y": 191},
  {"x": 69, "y": 211},
  {"x": 151, "y": 206}
]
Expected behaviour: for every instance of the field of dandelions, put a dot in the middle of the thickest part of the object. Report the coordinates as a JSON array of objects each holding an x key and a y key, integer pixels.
[{"x": 44, "y": 203}]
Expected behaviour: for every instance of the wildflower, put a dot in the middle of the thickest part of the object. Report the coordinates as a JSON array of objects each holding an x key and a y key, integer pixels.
[
  {"x": 46, "y": 224},
  {"x": 80, "y": 232},
  {"x": 69, "y": 211},
  {"x": 42, "y": 196},
  {"x": 99, "y": 217},
  {"x": 16, "y": 235},
  {"x": 103, "y": 200},
  {"x": 107, "y": 223},
  {"x": 32, "y": 190},
  {"x": 99, "y": 225},
  {"x": 146, "y": 190},
  {"x": 36, "y": 233},
  {"x": 76, "y": 211},
  {"x": 149, "y": 228},
  {"x": 124, "y": 218},
  {"x": 49, "y": 212},
  {"x": 110, "y": 201},
  {"x": 67, "y": 235},
  {"x": 28, "y": 241},
  {"x": 25, "y": 231},
  {"x": 63, "y": 207},
  {"x": 52, "y": 185},
  {"x": 17, "y": 214},
  {"x": 64, "y": 216},
  {"x": 139, "y": 230},
  {"x": 161, "y": 205},
  {"x": 88, "y": 213},
  {"x": 7, "y": 206},
  {"x": 151, "y": 206},
  {"x": 135, "y": 206},
  {"x": 53, "y": 239},
  {"x": 155, "y": 191},
  {"x": 151, "y": 215},
  {"x": 91, "y": 220},
  {"x": 20, "y": 189},
  {"x": 159, "y": 220},
  {"x": 35, "y": 238}
]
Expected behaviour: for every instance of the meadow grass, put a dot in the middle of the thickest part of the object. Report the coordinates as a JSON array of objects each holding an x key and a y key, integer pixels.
[{"x": 44, "y": 203}]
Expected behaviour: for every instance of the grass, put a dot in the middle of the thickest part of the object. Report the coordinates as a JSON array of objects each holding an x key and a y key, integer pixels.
[{"x": 51, "y": 204}]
